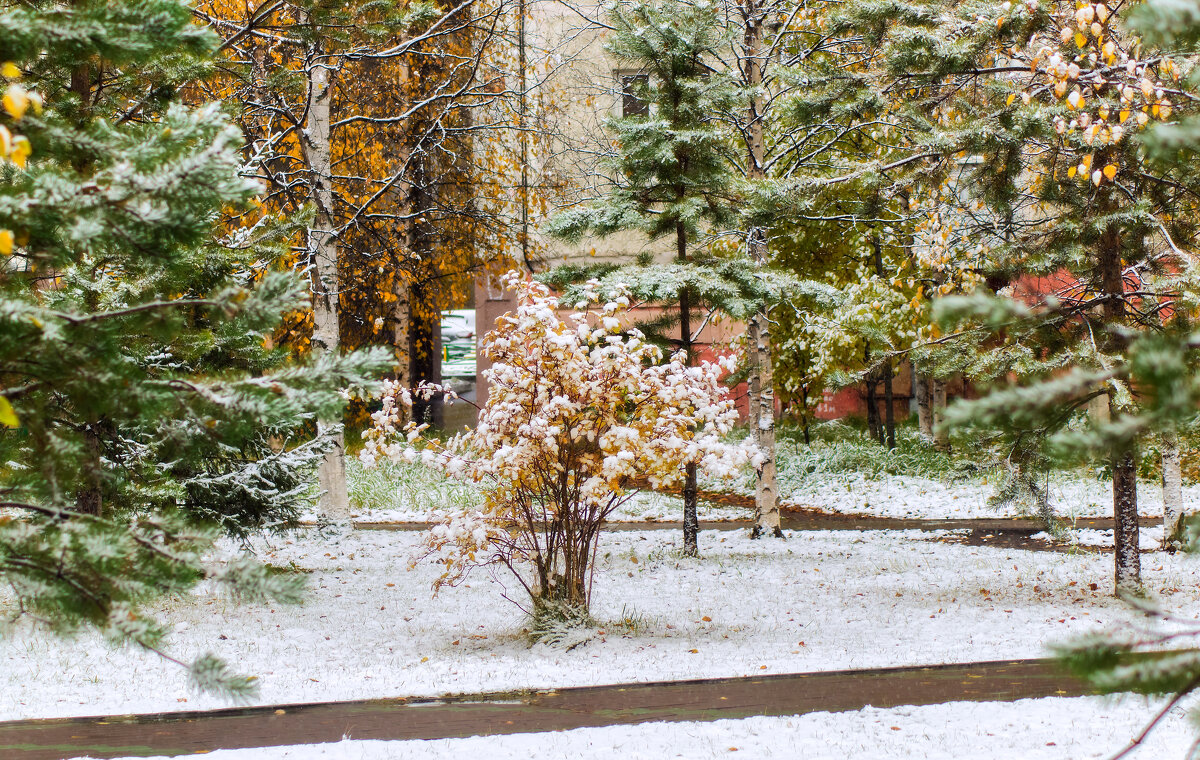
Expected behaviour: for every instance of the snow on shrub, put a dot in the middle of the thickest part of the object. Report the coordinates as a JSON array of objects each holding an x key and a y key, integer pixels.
[{"x": 579, "y": 414}]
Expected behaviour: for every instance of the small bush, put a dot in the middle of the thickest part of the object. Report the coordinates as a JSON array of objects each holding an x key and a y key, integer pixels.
[{"x": 578, "y": 412}]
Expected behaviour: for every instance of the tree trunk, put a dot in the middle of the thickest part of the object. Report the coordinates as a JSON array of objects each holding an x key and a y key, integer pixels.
[
  {"x": 323, "y": 259},
  {"x": 762, "y": 417},
  {"x": 691, "y": 520},
  {"x": 889, "y": 411},
  {"x": 425, "y": 355},
  {"x": 874, "y": 429},
  {"x": 1172, "y": 482},
  {"x": 920, "y": 385},
  {"x": 941, "y": 434},
  {"x": 760, "y": 375},
  {"x": 1126, "y": 557},
  {"x": 90, "y": 499}
]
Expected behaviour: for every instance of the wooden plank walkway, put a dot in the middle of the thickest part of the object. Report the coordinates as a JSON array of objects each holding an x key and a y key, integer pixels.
[{"x": 520, "y": 712}]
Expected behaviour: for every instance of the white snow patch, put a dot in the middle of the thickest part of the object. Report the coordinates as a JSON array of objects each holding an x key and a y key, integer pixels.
[
  {"x": 1031, "y": 729},
  {"x": 910, "y": 496},
  {"x": 817, "y": 601}
]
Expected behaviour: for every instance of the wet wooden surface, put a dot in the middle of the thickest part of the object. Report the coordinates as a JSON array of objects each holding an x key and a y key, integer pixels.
[{"x": 519, "y": 712}]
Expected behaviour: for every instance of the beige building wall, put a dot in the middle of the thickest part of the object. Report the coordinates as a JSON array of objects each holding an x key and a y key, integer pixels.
[{"x": 581, "y": 88}]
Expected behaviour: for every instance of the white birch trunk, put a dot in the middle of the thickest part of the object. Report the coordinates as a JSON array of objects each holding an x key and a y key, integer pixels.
[
  {"x": 762, "y": 415},
  {"x": 920, "y": 386},
  {"x": 941, "y": 435},
  {"x": 1172, "y": 478},
  {"x": 323, "y": 253},
  {"x": 760, "y": 379}
]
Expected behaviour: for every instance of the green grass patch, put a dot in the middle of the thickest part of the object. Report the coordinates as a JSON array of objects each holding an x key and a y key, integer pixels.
[{"x": 405, "y": 486}]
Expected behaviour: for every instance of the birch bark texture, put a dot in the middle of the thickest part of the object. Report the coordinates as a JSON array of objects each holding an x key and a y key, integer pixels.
[
  {"x": 937, "y": 398},
  {"x": 323, "y": 271},
  {"x": 920, "y": 386},
  {"x": 1172, "y": 485},
  {"x": 760, "y": 375}
]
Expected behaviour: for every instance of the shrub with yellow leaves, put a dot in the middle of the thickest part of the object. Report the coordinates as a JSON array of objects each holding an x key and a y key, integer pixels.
[{"x": 581, "y": 412}]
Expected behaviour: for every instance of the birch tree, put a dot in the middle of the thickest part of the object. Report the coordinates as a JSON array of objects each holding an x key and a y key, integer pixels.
[{"x": 369, "y": 165}]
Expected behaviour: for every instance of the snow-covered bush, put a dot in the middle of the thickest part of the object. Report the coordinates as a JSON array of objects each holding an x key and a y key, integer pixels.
[{"x": 578, "y": 414}]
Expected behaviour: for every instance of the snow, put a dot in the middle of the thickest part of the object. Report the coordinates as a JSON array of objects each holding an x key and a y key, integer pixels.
[
  {"x": 1030, "y": 729},
  {"x": 1149, "y": 538},
  {"x": 1071, "y": 494},
  {"x": 817, "y": 601},
  {"x": 646, "y": 506},
  {"x": 910, "y": 496}
]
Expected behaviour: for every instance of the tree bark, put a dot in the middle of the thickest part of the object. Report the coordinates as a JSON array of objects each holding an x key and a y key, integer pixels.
[
  {"x": 1172, "y": 483},
  {"x": 691, "y": 519},
  {"x": 762, "y": 416},
  {"x": 874, "y": 428},
  {"x": 1126, "y": 555},
  {"x": 425, "y": 355},
  {"x": 920, "y": 385},
  {"x": 760, "y": 377},
  {"x": 323, "y": 260},
  {"x": 889, "y": 411},
  {"x": 90, "y": 499},
  {"x": 941, "y": 435}
]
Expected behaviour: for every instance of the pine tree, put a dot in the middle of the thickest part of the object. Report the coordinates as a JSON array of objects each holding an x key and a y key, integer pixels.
[
  {"x": 145, "y": 414},
  {"x": 1163, "y": 366},
  {"x": 1018, "y": 129},
  {"x": 671, "y": 175}
]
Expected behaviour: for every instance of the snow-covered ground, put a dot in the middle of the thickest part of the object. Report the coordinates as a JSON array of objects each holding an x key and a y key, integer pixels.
[
  {"x": 817, "y": 601},
  {"x": 910, "y": 496},
  {"x": 645, "y": 506},
  {"x": 1030, "y": 729},
  {"x": 421, "y": 496}
]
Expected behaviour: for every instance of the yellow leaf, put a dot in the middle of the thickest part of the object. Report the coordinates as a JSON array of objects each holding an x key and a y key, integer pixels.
[
  {"x": 1071, "y": 172},
  {"x": 1010, "y": 100},
  {"x": 15, "y": 101},
  {"x": 9, "y": 70},
  {"x": 1124, "y": 115},
  {"x": 1080, "y": 40},
  {"x": 20, "y": 150},
  {"x": 8, "y": 417},
  {"x": 1110, "y": 171}
]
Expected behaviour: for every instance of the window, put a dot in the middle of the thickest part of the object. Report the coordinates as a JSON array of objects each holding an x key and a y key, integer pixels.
[{"x": 633, "y": 88}]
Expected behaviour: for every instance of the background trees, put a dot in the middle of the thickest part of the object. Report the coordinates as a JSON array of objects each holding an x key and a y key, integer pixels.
[
  {"x": 387, "y": 121},
  {"x": 1020, "y": 126}
]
